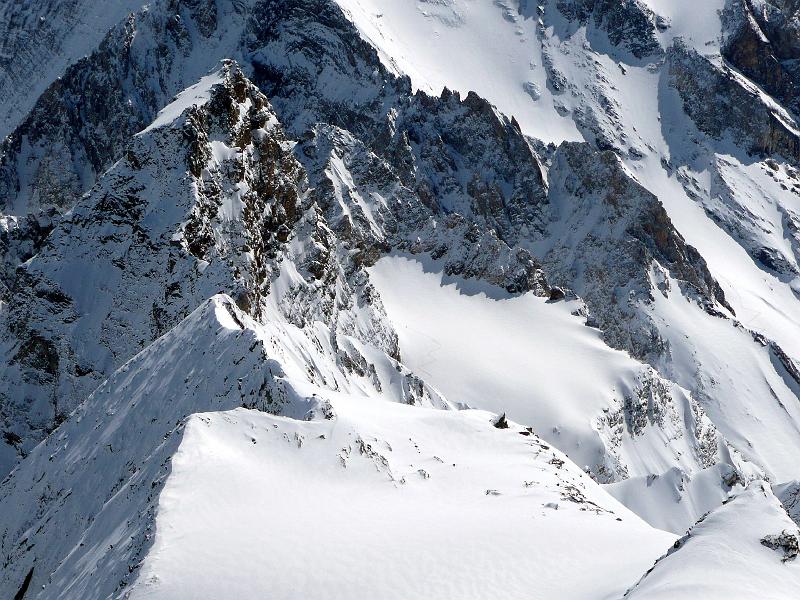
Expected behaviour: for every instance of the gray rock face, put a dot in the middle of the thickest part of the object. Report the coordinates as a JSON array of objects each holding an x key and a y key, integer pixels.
[
  {"x": 737, "y": 110},
  {"x": 789, "y": 495},
  {"x": 81, "y": 123},
  {"x": 607, "y": 233},
  {"x": 440, "y": 143},
  {"x": 629, "y": 24},
  {"x": 761, "y": 40},
  {"x": 786, "y": 543},
  {"x": 38, "y": 41},
  {"x": 80, "y": 307},
  {"x": 315, "y": 67},
  {"x": 367, "y": 204},
  {"x": 20, "y": 238}
]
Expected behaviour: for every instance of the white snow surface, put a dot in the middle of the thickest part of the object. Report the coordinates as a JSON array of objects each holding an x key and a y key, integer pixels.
[
  {"x": 384, "y": 501},
  {"x": 98, "y": 475},
  {"x": 195, "y": 95},
  {"x": 723, "y": 556},
  {"x": 375, "y": 498},
  {"x": 533, "y": 360},
  {"x": 467, "y": 45}
]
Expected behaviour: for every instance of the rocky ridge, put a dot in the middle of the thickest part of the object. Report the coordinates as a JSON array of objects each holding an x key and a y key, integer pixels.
[{"x": 282, "y": 182}]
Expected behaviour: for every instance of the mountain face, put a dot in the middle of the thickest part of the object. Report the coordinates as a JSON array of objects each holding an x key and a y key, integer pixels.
[{"x": 510, "y": 286}]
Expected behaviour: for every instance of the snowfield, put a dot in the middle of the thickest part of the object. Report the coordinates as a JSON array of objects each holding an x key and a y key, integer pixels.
[
  {"x": 719, "y": 556},
  {"x": 385, "y": 501},
  {"x": 282, "y": 317},
  {"x": 521, "y": 356},
  {"x": 369, "y": 497},
  {"x": 467, "y": 45}
]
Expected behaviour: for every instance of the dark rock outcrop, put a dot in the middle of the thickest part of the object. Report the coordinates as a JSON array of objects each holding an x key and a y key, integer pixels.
[
  {"x": 607, "y": 234},
  {"x": 629, "y": 24},
  {"x": 725, "y": 105},
  {"x": 761, "y": 41}
]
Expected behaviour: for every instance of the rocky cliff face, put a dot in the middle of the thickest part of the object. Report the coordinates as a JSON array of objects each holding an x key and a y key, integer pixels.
[
  {"x": 742, "y": 112},
  {"x": 38, "y": 41},
  {"x": 178, "y": 210},
  {"x": 217, "y": 200},
  {"x": 629, "y": 25},
  {"x": 268, "y": 151},
  {"x": 600, "y": 211},
  {"x": 761, "y": 42},
  {"x": 81, "y": 123}
]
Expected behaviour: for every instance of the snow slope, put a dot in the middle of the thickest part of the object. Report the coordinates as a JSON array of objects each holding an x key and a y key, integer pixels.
[
  {"x": 384, "y": 501},
  {"x": 734, "y": 208},
  {"x": 744, "y": 549},
  {"x": 467, "y": 45},
  {"x": 303, "y": 503},
  {"x": 540, "y": 364},
  {"x": 98, "y": 476}
]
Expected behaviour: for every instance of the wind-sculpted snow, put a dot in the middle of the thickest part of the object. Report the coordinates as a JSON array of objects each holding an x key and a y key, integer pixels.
[
  {"x": 384, "y": 501},
  {"x": 580, "y": 213},
  {"x": 84, "y": 500},
  {"x": 743, "y": 549},
  {"x": 99, "y": 475},
  {"x": 614, "y": 417}
]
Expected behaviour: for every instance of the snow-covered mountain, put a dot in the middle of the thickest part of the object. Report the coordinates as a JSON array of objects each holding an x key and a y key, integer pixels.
[{"x": 399, "y": 298}]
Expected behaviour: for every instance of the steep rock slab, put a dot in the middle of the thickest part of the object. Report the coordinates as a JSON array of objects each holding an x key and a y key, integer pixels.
[
  {"x": 760, "y": 39},
  {"x": 38, "y": 41},
  {"x": 739, "y": 111},
  {"x": 195, "y": 207},
  {"x": 606, "y": 233}
]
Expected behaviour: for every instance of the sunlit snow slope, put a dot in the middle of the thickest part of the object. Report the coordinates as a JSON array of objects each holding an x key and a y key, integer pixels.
[
  {"x": 618, "y": 82},
  {"x": 385, "y": 501},
  {"x": 317, "y": 327},
  {"x": 743, "y": 549}
]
